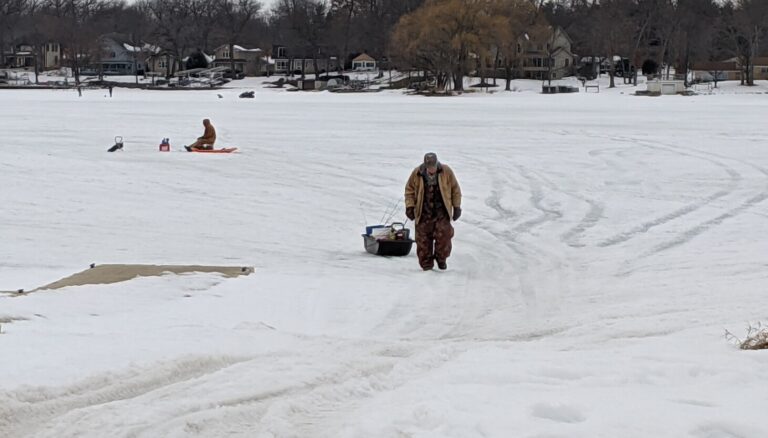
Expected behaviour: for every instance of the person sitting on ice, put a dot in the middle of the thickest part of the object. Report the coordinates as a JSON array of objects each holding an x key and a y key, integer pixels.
[{"x": 207, "y": 140}]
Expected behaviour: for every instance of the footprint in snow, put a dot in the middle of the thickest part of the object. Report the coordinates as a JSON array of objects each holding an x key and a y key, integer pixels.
[{"x": 560, "y": 413}]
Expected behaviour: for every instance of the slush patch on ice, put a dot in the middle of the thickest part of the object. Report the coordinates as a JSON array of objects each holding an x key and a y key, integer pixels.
[
  {"x": 395, "y": 352},
  {"x": 7, "y": 319},
  {"x": 562, "y": 374},
  {"x": 698, "y": 403},
  {"x": 724, "y": 430},
  {"x": 558, "y": 412},
  {"x": 253, "y": 325},
  {"x": 107, "y": 274}
]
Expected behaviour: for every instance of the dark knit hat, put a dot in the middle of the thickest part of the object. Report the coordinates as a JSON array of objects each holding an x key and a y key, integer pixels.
[{"x": 430, "y": 159}]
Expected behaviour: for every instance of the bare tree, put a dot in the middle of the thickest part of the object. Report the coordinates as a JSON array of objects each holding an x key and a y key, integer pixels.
[
  {"x": 610, "y": 35},
  {"x": 10, "y": 11},
  {"x": 512, "y": 20},
  {"x": 174, "y": 27},
  {"x": 745, "y": 24},
  {"x": 304, "y": 24},
  {"x": 693, "y": 42},
  {"x": 75, "y": 26},
  {"x": 340, "y": 21}
]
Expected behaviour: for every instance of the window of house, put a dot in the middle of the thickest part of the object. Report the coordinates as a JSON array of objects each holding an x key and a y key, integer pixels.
[
  {"x": 226, "y": 53},
  {"x": 519, "y": 48},
  {"x": 112, "y": 54},
  {"x": 281, "y": 65},
  {"x": 281, "y": 52}
]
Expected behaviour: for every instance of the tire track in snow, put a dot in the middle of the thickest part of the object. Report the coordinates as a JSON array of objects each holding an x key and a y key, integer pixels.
[
  {"x": 27, "y": 409},
  {"x": 589, "y": 220},
  {"x": 691, "y": 233},
  {"x": 537, "y": 182},
  {"x": 320, "y": 412},
  {"x": 734, "y": 179},
  {"x": 536, "y": 260},
  {"x": 537, "y": 202},
  {"x": 310, "y": 406},
  {"x": 573, "y": 236}
]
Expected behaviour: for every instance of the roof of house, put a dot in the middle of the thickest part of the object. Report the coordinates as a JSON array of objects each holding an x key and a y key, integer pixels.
[
  {"x": 562, "y": 31},
  {"x": 715, "y": 66},
  {"x": 364, "y": 57},
  {"x": 761, "y": 61},
  {"x": 146, "y": 47},
  {"x": 562, "y": 49},
  {"x": 208, "y": 58},
  {"x": 238, "y": 48}
]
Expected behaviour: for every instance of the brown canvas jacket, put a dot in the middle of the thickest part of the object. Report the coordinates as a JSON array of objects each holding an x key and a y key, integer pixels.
[
  {"x": 209, "y": 136},
  {"x": 449, "y": 189}
]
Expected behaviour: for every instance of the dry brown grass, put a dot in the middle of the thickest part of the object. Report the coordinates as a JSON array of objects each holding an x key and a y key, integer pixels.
[{"x": 756, "y": 338}]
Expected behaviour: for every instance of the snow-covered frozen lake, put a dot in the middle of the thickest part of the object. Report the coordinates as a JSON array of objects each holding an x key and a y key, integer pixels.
[{"x": 607, "y": 242}]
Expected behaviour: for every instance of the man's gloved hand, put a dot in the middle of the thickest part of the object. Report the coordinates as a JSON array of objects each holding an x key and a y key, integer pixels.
[
  {"x": 456, "y": 213},
  {"x": 410, "y": 213}
]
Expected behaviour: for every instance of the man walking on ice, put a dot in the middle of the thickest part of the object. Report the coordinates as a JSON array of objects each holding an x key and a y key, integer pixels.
[{"x": 432, "y": 199}]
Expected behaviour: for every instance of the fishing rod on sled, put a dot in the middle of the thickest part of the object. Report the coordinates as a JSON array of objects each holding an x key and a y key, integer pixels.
[{"x": 390, "y": 212}]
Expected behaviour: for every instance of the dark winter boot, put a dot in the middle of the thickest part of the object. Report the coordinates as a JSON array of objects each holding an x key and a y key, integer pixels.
[{"x": 442, "y": 265}]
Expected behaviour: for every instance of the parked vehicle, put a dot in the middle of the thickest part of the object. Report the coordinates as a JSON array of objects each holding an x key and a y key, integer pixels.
[{"x": 229, "y": 74}]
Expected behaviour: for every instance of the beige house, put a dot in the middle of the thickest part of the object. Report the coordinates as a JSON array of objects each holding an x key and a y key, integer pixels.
[
  {"x": 161, "y": 64},
  {"x": 364, "y": 62},
  {"x": 720, "y": 71},
  {"x": 760, "y": 71},
  {"x": 250, "y": 62},
  {"x": 729, "y": 70},
  {"x": 546, "y": 55},
  {"x": 51, "y": 56}
]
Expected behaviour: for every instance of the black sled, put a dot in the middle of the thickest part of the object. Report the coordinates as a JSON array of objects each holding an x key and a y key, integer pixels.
[{"x": 394, "y": 241}]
